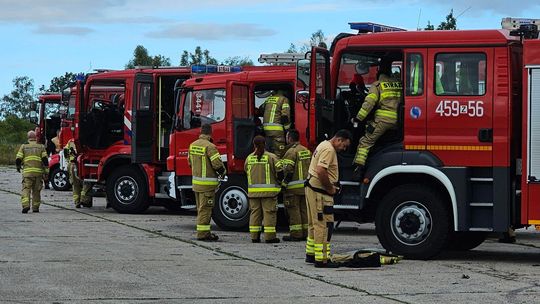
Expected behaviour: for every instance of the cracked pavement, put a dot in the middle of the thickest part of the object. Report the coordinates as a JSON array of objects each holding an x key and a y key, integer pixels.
[{"x": 68, "y": 255}]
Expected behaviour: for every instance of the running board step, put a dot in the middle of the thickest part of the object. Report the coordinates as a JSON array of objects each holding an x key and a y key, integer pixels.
[
  {"x": 481, "y": 179},
  {"x": 481, "y": 204}
]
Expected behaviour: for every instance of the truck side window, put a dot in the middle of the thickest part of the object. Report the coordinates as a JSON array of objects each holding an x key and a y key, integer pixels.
[
  {"x": 462, "y": 74},
  {"x": 203, "y": 106},
  {"x": 415, "y": 75},
  {"x": 145, "y": 93}
]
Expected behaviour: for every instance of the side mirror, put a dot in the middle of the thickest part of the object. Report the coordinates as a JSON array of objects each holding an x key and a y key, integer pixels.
[
  {"x": 303, "y": 98},
  {"x": 302, "y": 71}
]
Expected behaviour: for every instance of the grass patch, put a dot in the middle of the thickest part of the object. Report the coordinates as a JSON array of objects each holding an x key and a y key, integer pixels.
[{"x": 8, "y": 152}]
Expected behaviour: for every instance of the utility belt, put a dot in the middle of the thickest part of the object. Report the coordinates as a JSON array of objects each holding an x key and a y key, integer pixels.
[{"x": 322, "y": 191}]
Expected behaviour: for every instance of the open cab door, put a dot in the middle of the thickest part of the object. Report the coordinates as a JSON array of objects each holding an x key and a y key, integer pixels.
[
  {"x": 240, "y": 125},
  {"x": 142, "y": 144},
  {"x": 319, "y": 91},
  {"x": 80, "y": 113}
]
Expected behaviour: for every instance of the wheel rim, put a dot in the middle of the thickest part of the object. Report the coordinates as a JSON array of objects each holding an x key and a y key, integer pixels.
[
  {"x": 234, "y": 203},
  {"x": 411, "y": 223},
  {"x": 60, "y": 179},
  {"x": 126, "y": 190}
]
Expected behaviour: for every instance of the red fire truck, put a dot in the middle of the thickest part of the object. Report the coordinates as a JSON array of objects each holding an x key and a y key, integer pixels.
[
  {"x": 229, "y": 103},
  {"x": 123, "y": 120},
  {"x": 463, "y": 161}
]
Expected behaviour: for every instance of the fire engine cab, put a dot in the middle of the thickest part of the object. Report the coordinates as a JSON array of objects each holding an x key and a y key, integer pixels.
[
  {"x": 463, "y": 160},
  {"x": 229, "y": 103}
]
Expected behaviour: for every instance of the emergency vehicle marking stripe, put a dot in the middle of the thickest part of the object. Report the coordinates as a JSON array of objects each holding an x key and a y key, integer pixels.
[
  {"x": 448, "y": 148},
  {"x": 534, "y": 222},
  {"x": 127, "y": 122}
]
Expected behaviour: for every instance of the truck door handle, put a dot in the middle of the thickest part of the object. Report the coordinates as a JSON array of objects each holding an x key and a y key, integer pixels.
[
  {"x": 485, "y": 135},
  {"x": 221, "y": 141}
]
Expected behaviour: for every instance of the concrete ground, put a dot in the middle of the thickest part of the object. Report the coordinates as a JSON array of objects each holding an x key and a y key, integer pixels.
[{"x": 68, "y": 255}]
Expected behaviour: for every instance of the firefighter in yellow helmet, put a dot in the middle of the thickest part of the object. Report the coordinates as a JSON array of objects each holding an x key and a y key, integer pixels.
[
  {"x": 32, "y": 159},
  {"x": 295, "y": 164},
  {"x": 384, "y": 97},
  {"x": 81, "y": 189},
  {"x": 321, "y": 186},
  {"x": 276, "y": 120},
  {"x": 264, "y": 173},
  {"x": 206, "y": 167}
]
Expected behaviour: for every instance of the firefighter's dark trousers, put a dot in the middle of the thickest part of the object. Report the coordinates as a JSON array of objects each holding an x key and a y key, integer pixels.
[
  {"x": 31, "y": 187},
  {"x": 205, "y": 204},
  {"x": 297, "y": 211},
  {"x": 80, "y": 189},
  {"x": 263, "y": 212},
  {"x": 320, "y": 224},
  {"x": 374, "y": 130}
]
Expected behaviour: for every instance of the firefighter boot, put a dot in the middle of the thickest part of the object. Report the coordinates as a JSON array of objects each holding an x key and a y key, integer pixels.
[
  {"x": 209, "y": 238},
  {"x": 310, "y": 258},
  {"x": 328, "y": 264},
  {"x": 288, "y": 238},
  {"x": 25, "y": 209}
]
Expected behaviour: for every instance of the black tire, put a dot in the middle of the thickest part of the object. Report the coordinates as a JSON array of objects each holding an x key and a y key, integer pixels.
[
  {"x": 465, "y": 240},
  {"x": 59, "y": 179},
  {"x": 127, "y": 190},
  {"x": 414, "y": 221},
  {"x": 231, "y": 208}
]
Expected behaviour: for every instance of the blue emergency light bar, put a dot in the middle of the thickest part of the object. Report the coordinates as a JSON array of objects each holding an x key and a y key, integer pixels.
[
  {"x": 370, "y": 27},
  {"x": 206, "y": 69}
]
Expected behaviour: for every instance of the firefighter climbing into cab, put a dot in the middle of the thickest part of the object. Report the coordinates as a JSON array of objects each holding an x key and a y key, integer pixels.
[{"x": 383, "y": 100}]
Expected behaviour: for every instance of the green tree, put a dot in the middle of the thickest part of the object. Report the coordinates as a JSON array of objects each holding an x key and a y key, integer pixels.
[
  {"x": 18, "y": 101},
  {"x": 317, "y": 39},
  {"x": 237, "y": 60},
  {"x": 13, "y": 129},
  {"x": 142, "y": 58},
  {"x": 449, "y": 24},
  {"x": 59, "y": 83},
  {"x": 199, "y": 56}
]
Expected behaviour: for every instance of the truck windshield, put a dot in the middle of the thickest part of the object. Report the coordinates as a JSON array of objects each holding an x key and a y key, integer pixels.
[{"x": 203, "y": 107}]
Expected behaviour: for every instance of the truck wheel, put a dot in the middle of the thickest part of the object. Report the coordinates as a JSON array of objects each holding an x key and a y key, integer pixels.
[
  {"x": 465, "y": 240},
  {"x": 127, "y": 191},
  {"x": 60, "y": 180},
  {"x": 231, "y": 208},
  {"x": 414, "y": 221}
]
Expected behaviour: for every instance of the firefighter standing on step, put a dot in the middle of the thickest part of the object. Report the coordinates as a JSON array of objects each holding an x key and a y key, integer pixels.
[
  {"x": 276, "y": 120},
  {"x": 384, "y": 96},
  {"x": 206, "y": 166},
  {"x": 263, "y": 170},
  {"x": 321, "y": 186},
  {"x": 295, "y": 164},
  {"x": 32, "y": 159},
  {"x": 80, "y": 188}
]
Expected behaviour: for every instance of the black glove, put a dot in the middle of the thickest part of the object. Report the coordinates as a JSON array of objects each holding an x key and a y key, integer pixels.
[
  {"x": 18, "y": 169},
  {"x": 284, "y": 120}
]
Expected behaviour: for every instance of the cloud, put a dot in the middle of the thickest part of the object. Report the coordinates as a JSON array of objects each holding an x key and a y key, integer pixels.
[
  {"x": 213, "y": 31},
  {"x": 62, "y": 30},
  {"x": 501, "y": 7}
]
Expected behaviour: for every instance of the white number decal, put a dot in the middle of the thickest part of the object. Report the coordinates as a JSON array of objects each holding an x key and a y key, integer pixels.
[{"x": 453, "y": 108}]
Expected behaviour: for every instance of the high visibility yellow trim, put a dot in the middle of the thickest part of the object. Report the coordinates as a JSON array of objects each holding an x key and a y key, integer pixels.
[
  {"x": 386, "y": 113},
  {"x": 391, "y": 85},
  {"x": 534, "y": 222},
  {"x": 273, "y": 112},
  {"x": 204, "y": 183},
  {"x": 215, "y": 156},
  {"x": 295, "y": 186},
  {"x": 267, "y": 173},
  {"x": 287, "y": 162},
  {"x": 269, "y": 229},
  {"x": 372, "y": 96},
  {"x": 203, "y": 170},
  {"x": 415, "y": 147},
  {"x": 32, "y": 170},
  {"x": 32, "y": 157},
  {"x": 273, "y": 128},
  {"x": 295, "y": 227},
  {"x": 362, "y": 114},
  {"x": 459, "y": 148},
  {"x": 20, "y": 155},
  {"x": 285, "y": 105},
  {"x": 197, "y": 150},
  {"x": 304, "y": 154},
  {"x": 203, "y": 227},
  {"x": 305, "y": 226},
  {"x": 256, "y": 190},
  {"x": 255, "y": 228},
  {"x": 386, "y": 95},
  {"x": 249, "y": 173}
]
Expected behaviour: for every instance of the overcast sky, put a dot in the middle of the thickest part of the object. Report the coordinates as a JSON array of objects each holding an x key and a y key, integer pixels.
[{"x": 45, "y": 38}]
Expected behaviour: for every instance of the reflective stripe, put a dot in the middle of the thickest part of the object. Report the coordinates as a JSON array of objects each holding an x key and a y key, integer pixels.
[
  {"x": 287, "y": 162},
  {"x": 204, "y": 181},
  {"x": 304, "y": 154},
  {"x": 25, "y": 199},
  {"x": 203, "y": 170},
  {"x": 295, "y": 227},
  {"x": 386, "y": 95},
  {"x": 32, "y": 157},
  {"x": 300, "y": 170},
  {"x": 267, "y": 173},
  {"x": 272, "y": 127},
  {"x": 43, "y": 154},
  {"x": 362, "y": 114},
  {"x": 386, "y": 113},
  {"x": 32, "y": 170},
  {"x": 249, "y": 173},
  {"x": 197, "y": 150},
  {"x": 215, "y": 156},
  {"x": 296, "y": 184},
  {"x": 255, "y": 228},
  {"x": 305, "y": 226},
  {"x": 269, "y": 229},
  {"x": 203, "y": 227},
  {"x": 273, "y": 112},
  {"x": 309, "y": 246},
  {"x": 20, "y": 155},
  {"x": 285, "y": 105},
  {"x": 257, "y": 190},
  {"x": 253, "y": 160},
  {"x": 372, "y": 96}
]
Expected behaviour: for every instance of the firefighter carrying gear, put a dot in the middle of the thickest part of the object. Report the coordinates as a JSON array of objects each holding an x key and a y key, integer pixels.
[
  {"x": 263, "y": 188},
  {"x": 276, "y": 120},
  {"x": 295, "y": 167},
  {"x": 32, "y": 159},
  {"x": 80, "y": 189},
  {"x": 320, "y": 206},
  {"x": 205, "y": 162},
  {"x": 384, "y": 95}
]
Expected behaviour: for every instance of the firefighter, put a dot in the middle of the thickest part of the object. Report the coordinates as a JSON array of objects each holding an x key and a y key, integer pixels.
[
  {"x": 384, "y": 96},
  {"x": 295, "y": 164},
  {"x": 80, "y": 188},
  {"x": 263, "y": 171},
  {"x": 206, "y": 167},
  {"x": 32, "y": 159},
  {"x": 321, "y": 185},
  {"x": 276, "y": 119}
]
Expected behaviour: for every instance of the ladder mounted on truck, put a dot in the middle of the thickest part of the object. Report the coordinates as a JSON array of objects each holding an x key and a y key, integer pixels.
[
  {"x": 370, "y": 27},
  {"x": 281, "y": 58}
]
